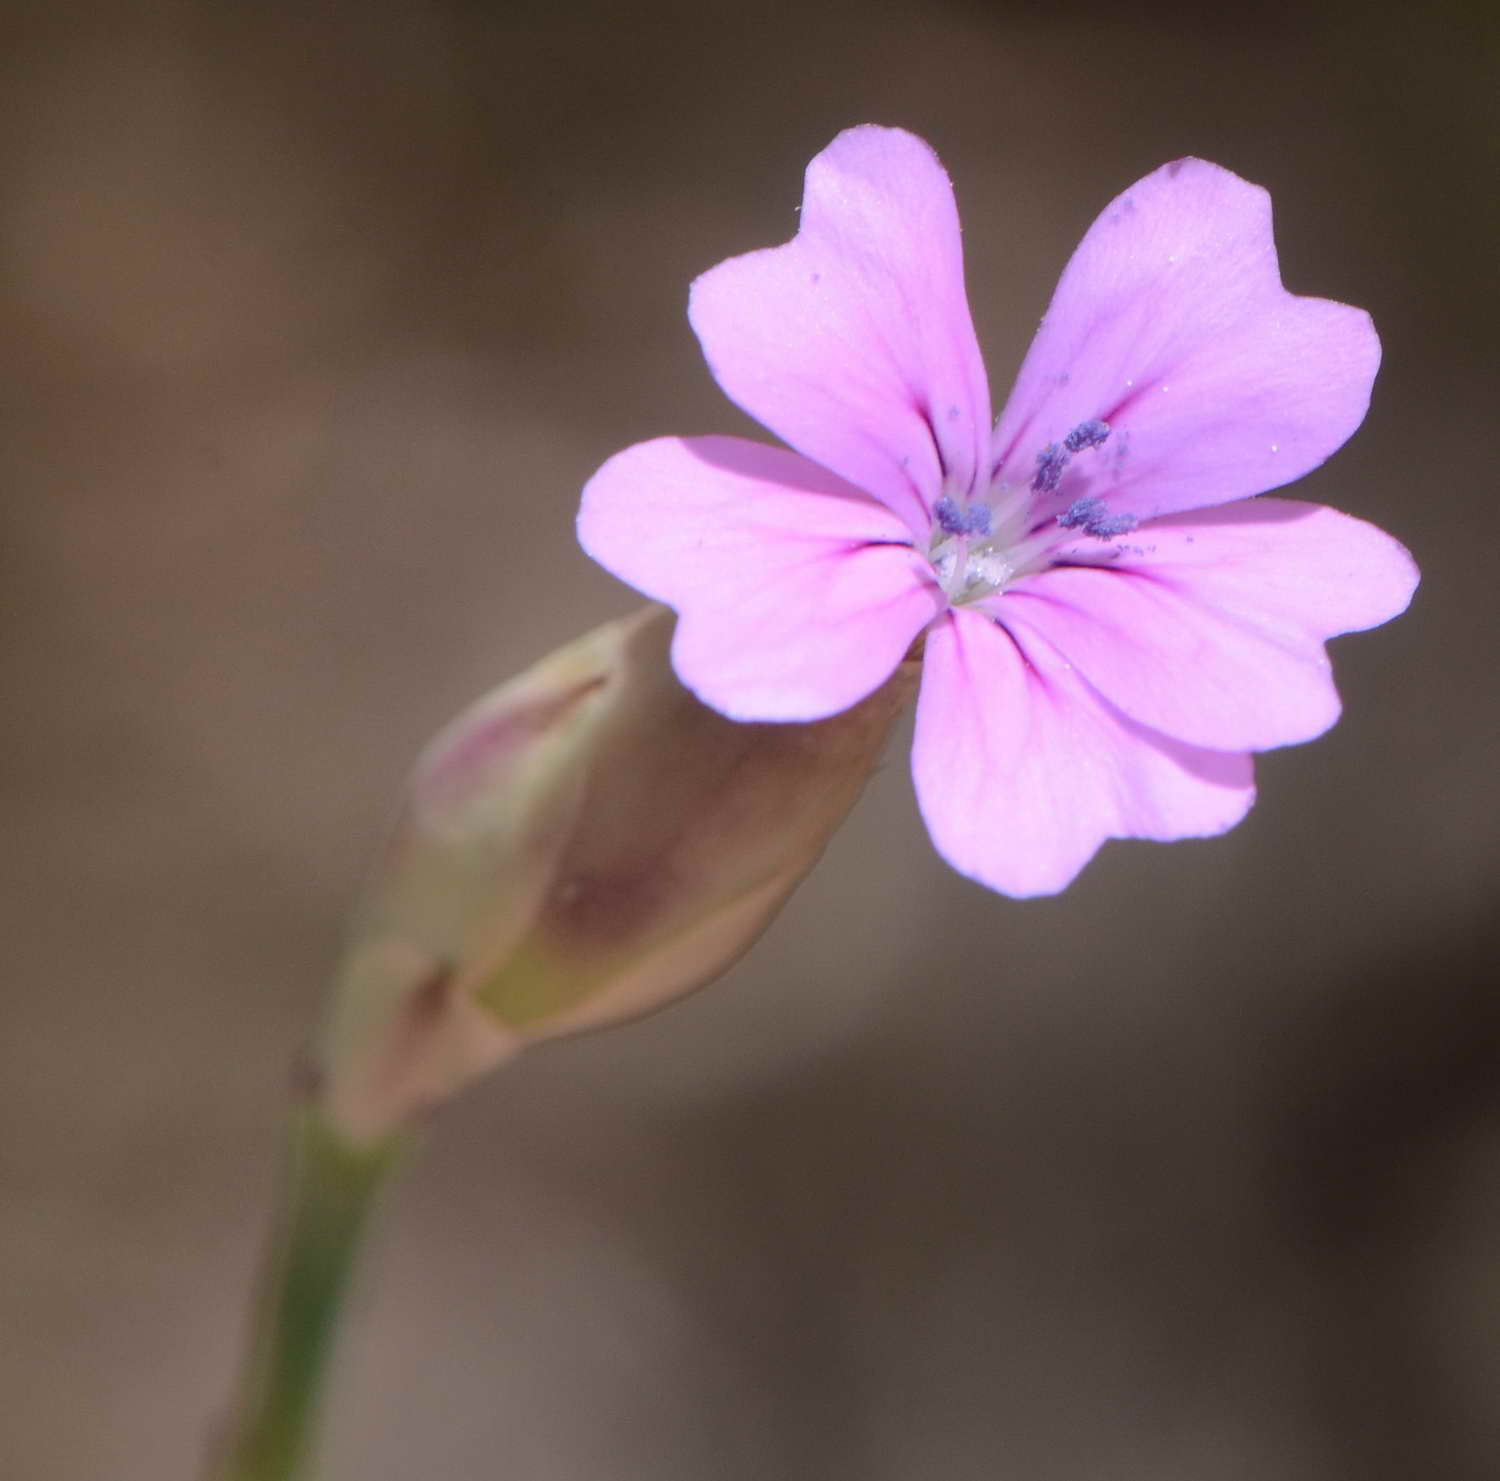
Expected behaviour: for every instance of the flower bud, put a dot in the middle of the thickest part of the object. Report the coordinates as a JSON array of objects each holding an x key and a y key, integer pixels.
[{"x": 578, "y": 848}]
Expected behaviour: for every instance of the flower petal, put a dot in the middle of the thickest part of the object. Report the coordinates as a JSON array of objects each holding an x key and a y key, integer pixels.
[
  {"x": 1171, "y": 324},
  {"x": 853, "y": 341},
  {"x": 1210, "y": 626},
  {"x": 1022, "y": 770},
  {"x": 797, "y": 594}
]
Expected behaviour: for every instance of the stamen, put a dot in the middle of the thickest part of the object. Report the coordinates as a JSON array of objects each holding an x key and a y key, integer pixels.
[
  {"x": 1085, "y": 435},
  {"x": 1079, "y": 513},
  {"x": 1053, "y": 459},
  {"x": 950, "y": 517},
  {"x": 1094, "y": 519},
  {"x": 1109, "y": 525},
  {"x": 953, "y": 520},
  {"x": 1050, "y": 463}
]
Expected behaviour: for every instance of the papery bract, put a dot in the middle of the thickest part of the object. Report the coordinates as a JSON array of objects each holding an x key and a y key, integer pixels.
[{"x": 1111, "y": 624}]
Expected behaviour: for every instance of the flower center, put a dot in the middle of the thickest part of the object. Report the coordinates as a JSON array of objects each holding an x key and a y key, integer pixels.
[{"x": 980, "y": 546}]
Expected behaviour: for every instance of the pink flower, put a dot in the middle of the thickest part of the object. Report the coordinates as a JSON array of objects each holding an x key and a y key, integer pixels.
[{"x": 1112, "y": 624}]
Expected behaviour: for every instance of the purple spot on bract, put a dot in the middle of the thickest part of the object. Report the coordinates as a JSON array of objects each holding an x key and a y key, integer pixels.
[
  {"x": 1175, "y": 168},
  {"x": 954, "y": 413}
]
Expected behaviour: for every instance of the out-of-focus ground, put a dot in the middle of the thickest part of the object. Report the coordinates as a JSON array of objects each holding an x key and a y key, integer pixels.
[{"x": 313, "y": 320}]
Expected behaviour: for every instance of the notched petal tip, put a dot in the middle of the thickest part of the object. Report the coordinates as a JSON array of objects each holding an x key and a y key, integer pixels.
[
  {"x": 1172, "y": 323},
  {"x": 1023, "y": 770},
  {"x": 876, "y": 147},
  {"x": 797, "y": 594},
  {"x": 852, "y": 342}
]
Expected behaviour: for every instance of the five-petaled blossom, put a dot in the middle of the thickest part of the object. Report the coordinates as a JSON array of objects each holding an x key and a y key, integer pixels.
[{"x": 1111, "y": 623}]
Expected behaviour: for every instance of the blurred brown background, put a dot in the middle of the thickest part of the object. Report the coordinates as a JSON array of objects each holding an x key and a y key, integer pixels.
[{"x": 313, "y": 320}]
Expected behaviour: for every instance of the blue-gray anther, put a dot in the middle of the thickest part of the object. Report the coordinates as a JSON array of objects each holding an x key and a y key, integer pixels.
[
  {"x": 1086, "y": 435},
  {"x": 950, "y": 517},
  {"x": 1077, "y": 515},
  {"x": 1107, "y": 526},
  {"x": 1090, "y": 516},
  {"x": 1050, "y": 463},
  {"x": 953, "y": 520}
]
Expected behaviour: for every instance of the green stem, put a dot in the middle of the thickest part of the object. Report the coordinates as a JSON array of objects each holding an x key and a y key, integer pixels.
[{"x": 330, "y": 1192}]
